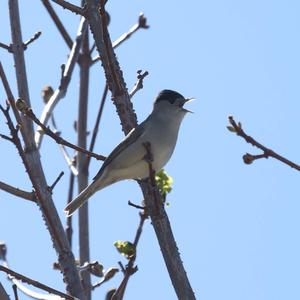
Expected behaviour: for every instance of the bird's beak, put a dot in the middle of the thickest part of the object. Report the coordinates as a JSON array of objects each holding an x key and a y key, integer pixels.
[{"x": 186, "y": 101}]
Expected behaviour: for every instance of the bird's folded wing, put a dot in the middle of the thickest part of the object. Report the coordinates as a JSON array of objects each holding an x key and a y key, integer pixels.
[{"x": 131, "y": 137}]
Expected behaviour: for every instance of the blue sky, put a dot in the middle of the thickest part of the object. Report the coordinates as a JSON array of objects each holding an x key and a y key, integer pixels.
[{"x": 237, "y": 226}]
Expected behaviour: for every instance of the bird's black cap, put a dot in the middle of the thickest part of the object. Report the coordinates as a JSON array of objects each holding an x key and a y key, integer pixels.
[{"x": 168, "y": 95}]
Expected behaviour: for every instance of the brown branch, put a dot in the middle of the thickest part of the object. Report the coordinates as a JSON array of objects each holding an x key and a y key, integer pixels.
[
  {"x": 6, "y": 47},
  {"x": 130, "y": 269},
  {"x": 141, "y": 24},
  {"x": 45, "y": 202},
  {"x": 17, "y": 192},
  {"x": 34, "y": 283},
  {"x": 128, "y": 119},
  {"x": 249, "y": 158},
  {"x": 3, "y": 294},
  {"x": 58, "y": 23},
  {"x": 46, "y": 130},
  {"x": 17, "y": 47},
  {"x": 61, "y": 91},
  {"x": 67, "y": 5},
  {"x": 32, "y": 39},
  {"x": 82, "y": 178},
  {"x": 12, "y": 103},
  {"x": 97, "y": 123},
  {"x": 139, "y": 83},
  {"x": 69, "y": 227}
]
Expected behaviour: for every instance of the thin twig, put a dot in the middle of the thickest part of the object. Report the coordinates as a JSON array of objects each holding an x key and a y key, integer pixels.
[
  {"x": 34, "y": 283},
  {"x": 64, "y": 82},
  {"x": 17, "y": 192},
  {"x": 69, "y": 227},
  {"x": 32, "y": 39},
  {"x": 135, "y": 205},
  {"x": 248, "y": 158},
  {"x": 97, "y": 123},
  {"x": 141, "y": 24},
  {"x": 130, "y": 269},
  {"x": 67, "y": 5},
  {"x": 58, "y": 23},
  {"x": 69, "y": 160},
  {"x": 51, "y": 188},
  {"x": 11, "y": 100},
  {"x": 15, "y": 291},
  {"x": 139, "y": 83},
  {"x": 46, "y": 130}
]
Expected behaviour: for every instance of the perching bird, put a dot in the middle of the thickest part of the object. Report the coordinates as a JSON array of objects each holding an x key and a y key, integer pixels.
[{"x": 127, "y": 160}]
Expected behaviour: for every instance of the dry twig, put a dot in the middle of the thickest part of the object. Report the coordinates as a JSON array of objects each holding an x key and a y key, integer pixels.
[{"x": 249, "y": 158}]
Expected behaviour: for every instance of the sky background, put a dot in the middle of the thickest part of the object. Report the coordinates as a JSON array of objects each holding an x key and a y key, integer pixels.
[{"x": 237, "y": 226}]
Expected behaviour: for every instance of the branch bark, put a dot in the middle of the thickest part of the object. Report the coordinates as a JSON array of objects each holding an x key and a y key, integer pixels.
[
  {"x": 83, "y": 175},
  {"x": 121, "y": 99},
  {"x": 32, "y": 162},
  {"x": 65, "y": 80}
]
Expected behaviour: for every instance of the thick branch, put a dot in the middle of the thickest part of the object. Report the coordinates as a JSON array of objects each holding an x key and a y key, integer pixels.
[
  {"x": 83, "y": 218},
  {"x": 110, "y": 64},
  {"x": 248, "y": 158},
  {"x": 128, "y": 119},
  {"x": 32, "y": 162},
  {"x": 17, "y": 48},
  {"x": 67, "y": 5}
]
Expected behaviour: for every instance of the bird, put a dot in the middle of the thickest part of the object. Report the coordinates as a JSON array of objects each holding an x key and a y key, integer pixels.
[{"x": 127, "y": 160}]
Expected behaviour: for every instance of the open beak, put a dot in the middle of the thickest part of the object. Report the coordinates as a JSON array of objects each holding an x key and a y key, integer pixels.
[{"x": 186, "y": 101}]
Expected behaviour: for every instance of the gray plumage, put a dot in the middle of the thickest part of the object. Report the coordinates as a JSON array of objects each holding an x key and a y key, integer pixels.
[{"x": 127, "y": 161}]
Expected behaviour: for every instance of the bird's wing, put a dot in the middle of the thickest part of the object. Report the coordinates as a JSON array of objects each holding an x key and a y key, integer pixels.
[{"x": 134, "y": 134}]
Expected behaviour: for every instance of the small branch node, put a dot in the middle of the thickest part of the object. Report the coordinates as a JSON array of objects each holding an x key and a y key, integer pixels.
[
  {"x": 139, "y": 83},
  {"x": 143, "y": 21}
]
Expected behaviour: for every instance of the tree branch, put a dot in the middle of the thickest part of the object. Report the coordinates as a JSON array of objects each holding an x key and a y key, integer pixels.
[
  {"x": 139, "y": 83},
  {"x": 35, "y": 283},
  {"x": 67, "y": 5},
  {"x": 82, "y": 178},
  {"x": 249, "y": 158},
  {"x": 17, "y": 192},
  {"x": 97, "y": 123},
  {"x": 141, "y": 24},
  {"x": 128, "y": 119},
  {"x": 32, "y": 39},
  {"x": 64, "y": 83},
  {"x": 46, "y": 130},
  {"x": 6, "y": 47},
  {"x": 58, "y": 23},
  {"x": 130, "y": 269},
  {"x": 32, "y": 162}
]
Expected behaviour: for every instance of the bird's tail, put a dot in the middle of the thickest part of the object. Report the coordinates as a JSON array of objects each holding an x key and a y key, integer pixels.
[{"x": 80, "y": 199}]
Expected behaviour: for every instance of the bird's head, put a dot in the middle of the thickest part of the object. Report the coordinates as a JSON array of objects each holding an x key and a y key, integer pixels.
[{"x": 171, "y": 101}]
